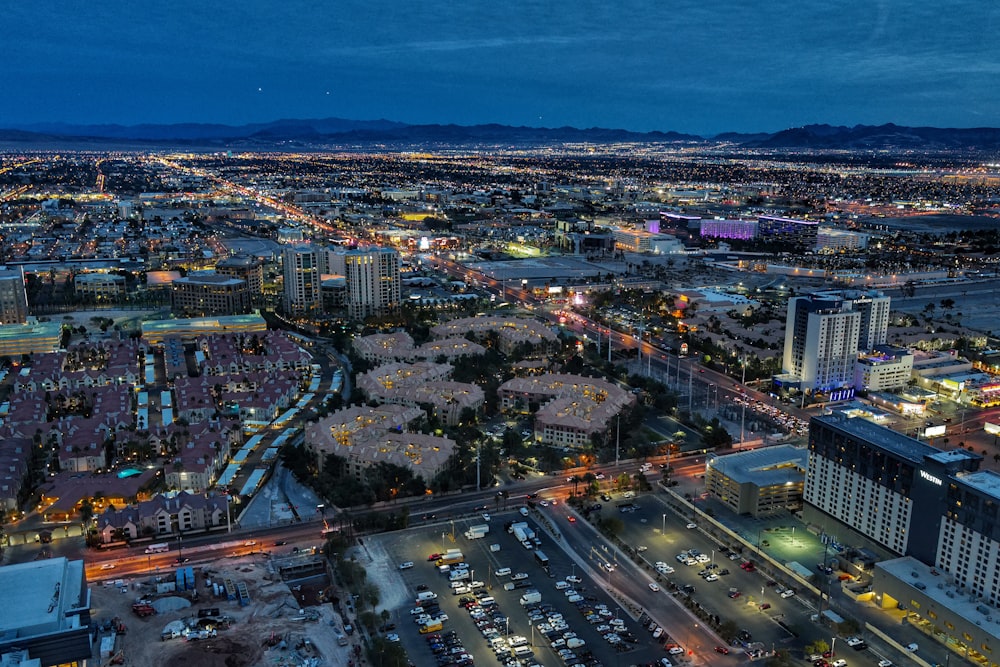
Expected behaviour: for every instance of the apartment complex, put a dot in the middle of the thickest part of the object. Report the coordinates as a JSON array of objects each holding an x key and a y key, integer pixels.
[
  {"x": 365, "y": 436},
  {"x": 573, "y": 408},
  {"x": 423, "y": 384}
]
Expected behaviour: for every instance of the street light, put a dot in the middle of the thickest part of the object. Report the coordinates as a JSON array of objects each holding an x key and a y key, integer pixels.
[{"x": 663, "y": 525}]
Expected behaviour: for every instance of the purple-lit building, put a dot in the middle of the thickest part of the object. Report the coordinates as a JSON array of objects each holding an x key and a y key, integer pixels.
[{"x": 743, "y": 230}]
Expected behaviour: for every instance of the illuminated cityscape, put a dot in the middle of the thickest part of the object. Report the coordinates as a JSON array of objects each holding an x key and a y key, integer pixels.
[{"x": 455, "y": 335}]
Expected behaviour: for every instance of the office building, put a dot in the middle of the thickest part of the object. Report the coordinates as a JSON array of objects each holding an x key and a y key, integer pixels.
[
  {"x": 373, "y": 281},
  {"x": 212, "y": 294},
  {"x": 302, "y": 280},
  {"x": 886, "y": 489},
  {"x": 246, "y": 268},
  {"x": 13, "y": 297},
  {"x": 824, "y": 333},
  {"x": 100, "y": 287},
  {"x": 883, "y": 369}
]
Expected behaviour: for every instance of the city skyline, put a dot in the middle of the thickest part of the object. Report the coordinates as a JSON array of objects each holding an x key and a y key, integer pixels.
[{"x": 685, "y": 68}]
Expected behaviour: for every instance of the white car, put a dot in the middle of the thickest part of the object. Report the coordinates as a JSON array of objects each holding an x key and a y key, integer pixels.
[
  {"x": 573, "y": 579},
  {"x": 654, "y": 587},
  {"x": 840, "y": 662},
  {"x": 711, "y": 577},
  {"x": 406, "y": 566},
  {"x": 692, "y": 525},
  {"x": 884, "y": 663},
  {"x": 486, "y": 516},
  {"x": 543, "y": 503},
  {"x": 787, "y": 594},
  {"x": 561, "y": 585},
  {"x": 641, "y": 548},
  {"x": 503, "y": 572}
]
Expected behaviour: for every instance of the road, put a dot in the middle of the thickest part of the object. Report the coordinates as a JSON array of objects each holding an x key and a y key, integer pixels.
[{"x": 591, "y": 552}]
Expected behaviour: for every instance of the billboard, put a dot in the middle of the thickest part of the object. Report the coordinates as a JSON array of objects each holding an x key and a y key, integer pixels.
[
  {"x": 934, "y": 431},
  {"x": 992, "y": 429}
]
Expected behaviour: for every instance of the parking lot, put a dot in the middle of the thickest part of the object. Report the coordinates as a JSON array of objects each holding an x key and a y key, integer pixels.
[{"x": 483, "y": 606}]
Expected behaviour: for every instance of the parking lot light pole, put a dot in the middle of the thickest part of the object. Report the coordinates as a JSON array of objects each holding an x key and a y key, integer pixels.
[{"x": 663, "y": 525}]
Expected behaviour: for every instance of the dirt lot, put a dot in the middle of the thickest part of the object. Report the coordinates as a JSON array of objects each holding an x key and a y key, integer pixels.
[{"x": 268, "y": 631}]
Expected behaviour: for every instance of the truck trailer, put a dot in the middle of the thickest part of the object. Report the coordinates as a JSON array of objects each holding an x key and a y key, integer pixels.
[{"x": 477, "y": 532}]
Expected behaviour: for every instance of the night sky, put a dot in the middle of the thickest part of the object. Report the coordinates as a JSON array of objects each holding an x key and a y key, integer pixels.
[{"x": 685, "y": 65}]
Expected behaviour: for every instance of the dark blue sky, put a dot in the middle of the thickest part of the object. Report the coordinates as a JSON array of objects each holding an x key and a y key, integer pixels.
[{"x": 686, "y": 65}]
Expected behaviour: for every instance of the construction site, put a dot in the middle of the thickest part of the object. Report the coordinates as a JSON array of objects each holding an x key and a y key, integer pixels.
[{"x": 236, "y": 612}]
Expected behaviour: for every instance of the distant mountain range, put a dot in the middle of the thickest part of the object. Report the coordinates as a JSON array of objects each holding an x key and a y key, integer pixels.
[{"x": 290, "y": 134}]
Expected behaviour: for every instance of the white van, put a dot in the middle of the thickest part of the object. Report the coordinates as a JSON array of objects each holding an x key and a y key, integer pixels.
[{"x": 503, "y": 572}]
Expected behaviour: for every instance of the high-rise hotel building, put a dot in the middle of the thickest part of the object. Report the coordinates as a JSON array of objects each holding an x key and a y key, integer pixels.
[
  {"x": 887, "y": 489},
  {"x": 824, "y": 333},
  {"x": 301, "y": 280},
  {"x": 373, "y": 281}
]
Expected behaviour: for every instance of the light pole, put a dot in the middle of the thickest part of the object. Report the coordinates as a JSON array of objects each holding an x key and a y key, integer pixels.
[
  {"x": 663, "y": 525},
  {"x": 743, "y": 410},
  {"x": 833, "y": 642}
]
